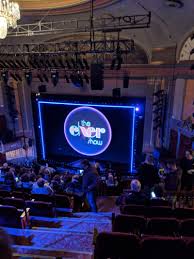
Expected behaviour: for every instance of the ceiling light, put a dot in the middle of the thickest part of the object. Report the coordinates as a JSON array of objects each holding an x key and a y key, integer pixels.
[{"x": 9, "y": 15}]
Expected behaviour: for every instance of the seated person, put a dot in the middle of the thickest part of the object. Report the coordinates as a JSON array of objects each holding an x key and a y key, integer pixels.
[
  {"x": 173, "y": 177},
  {"x": 111, "y": 181},
  {"x": 41, "y": 187},
  {"x": 57, "y": 184},
  {"x": 25, "y": 182},
  {"x": 136, "y": 196}
]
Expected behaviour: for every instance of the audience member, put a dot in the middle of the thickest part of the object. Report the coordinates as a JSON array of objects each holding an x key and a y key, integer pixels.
[
  {"x": 25, "y": 182},
  {"x": 41, "y": 187},
  {"x": 187, "y": 165},
  {"x": 89, "y": 184},
  {"x": 136, "y": 196},
  {"x": 57, "y": 184},
  {"x": 148, "y": 174},
  {"x": 173, "y": 177}
]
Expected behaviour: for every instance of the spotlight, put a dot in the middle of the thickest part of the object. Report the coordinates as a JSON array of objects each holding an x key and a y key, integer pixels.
[
  {"x": 28, "y": 76},
  {"x": 55, "y": 78},
  {"x": 137, "y": 109},
  {"x": 67, "y": 79},
  {"x": 5, "y": 76},
  {"x": 77, "y": 80}
]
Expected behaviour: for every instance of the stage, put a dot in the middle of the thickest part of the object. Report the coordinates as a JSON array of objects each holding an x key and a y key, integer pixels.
[{"x": 104, "y": 130}]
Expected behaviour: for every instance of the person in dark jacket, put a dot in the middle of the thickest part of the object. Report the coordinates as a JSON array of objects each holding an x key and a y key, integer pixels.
[
  {"x": 136, "y": 196},
  {"x": 173, "y": 177},
  {"x": 89, "y": 184},
  {"x": 187, "y": 165},
  {"x": 148, "y": 174}
]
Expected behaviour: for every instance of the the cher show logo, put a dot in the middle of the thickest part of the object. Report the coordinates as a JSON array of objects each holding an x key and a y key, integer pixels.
[{"x": 87, "y": 131}]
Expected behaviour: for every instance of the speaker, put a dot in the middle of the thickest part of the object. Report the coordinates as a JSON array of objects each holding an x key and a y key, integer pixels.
[
  {"x": 97, "y": 80},
  {"x": 42, "y": 89},
  {"x": 116, "y": 92},
  {"x": 125, "y": 81}
]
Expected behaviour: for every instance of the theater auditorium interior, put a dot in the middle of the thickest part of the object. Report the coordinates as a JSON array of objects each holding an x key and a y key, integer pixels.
[{"x": 97, "y": 129}]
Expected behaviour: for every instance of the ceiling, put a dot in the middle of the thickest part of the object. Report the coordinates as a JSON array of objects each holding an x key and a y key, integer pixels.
[
  {"x": 170, "y": 26},
  {"x": 47, "y": 4}
]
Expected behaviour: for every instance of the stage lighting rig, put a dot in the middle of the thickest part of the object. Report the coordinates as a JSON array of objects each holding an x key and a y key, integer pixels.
[
  {"x": 28, "y": 76},
  {"x": 55, "y": 77}
]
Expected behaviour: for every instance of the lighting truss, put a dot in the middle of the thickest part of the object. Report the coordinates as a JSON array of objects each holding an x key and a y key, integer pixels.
[
  {"x": 69, "y": 47},
  {"x": 106, "y": 24}
]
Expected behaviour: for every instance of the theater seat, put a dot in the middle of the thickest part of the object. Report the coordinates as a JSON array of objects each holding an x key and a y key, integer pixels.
[
  {"x": 187, "y": 228},
  {"x": 42, "y": 197},
  {"x": 61, "y": 201},
  {"x": 117, "y": 246},
  {"x": 18, "y": 203},
  {"x": 4, "y": 193},
  {"x": 21, "y": 195},
  {"x": 42, "y": 209},
  {"x": 163, "y": 227},
  {"x": 190, "y": 249},
  {"x": 163, "y": 248},
  {"x": 184, "y": 213},
  {"x": 133, "y": 210},
  {"x": 11, "y": 217},
  {"x": 159, "y": 211},
  {"x": 156, "y": 202},
  {"x": 129, "y": 224}
]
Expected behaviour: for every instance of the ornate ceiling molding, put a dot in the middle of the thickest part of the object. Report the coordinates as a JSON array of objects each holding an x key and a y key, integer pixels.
[{"x": 58, "y": 7}]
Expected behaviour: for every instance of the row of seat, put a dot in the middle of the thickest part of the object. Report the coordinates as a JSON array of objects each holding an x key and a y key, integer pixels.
[
  {"x": 124, "y": 246},
  {"x": 157, "y": 211},
  {"x": 60, "y": 201},
  {"x": 153, "y": 226}
]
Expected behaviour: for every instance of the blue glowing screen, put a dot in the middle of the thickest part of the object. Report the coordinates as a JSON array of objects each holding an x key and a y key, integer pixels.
[{"x": 81, "y": 130}]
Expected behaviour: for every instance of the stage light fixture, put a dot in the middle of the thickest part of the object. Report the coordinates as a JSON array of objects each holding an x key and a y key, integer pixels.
[
  {"x": 14, "y": 77},
  {"x": 67, "y": 79},
  {"x": 86, "y": 63},
  {"x": 81, "y": 65},
  {"x": 61, "y": 63},
  {"x": 32, "y": 64},
  {"x": 113, "y": 64},
  {"x": 68, "y": 64},
  {"x": 28, "y": 77},
  {"x": 137, "y": 109},
  {"x": 5, "y": 76},
  {"x": 45, "y": 78},
  {"x": 55, "y": 77},
  {"x": 73, "y": 62},
  {"x": 18, "y": 77},
  {"x": 77, "y": 80},
  {"x": 40, "y": 78},
  {"x": 54, "y": 63}
]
